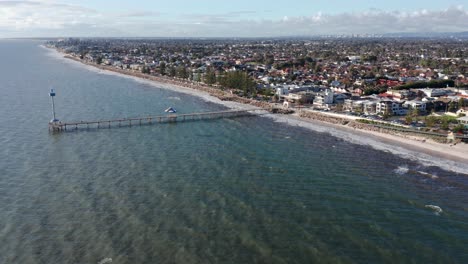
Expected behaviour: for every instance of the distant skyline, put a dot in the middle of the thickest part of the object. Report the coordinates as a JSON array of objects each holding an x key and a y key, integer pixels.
[{"x": 241, "y": 18}]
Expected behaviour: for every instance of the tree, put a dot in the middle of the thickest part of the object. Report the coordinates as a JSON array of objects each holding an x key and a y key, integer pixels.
[
  {"x": 82, "y": 55},
  {"x": 210, "y": 76},
  {"x": 451, "y": 106},
  {"x": 172, "y": 71},
  {"x": 99, "y": 60},
  {"x": 459, "y": 128},
  {"x": 162, "y": 68},
  {"x": 317, "y": 68},
  {"x": 386, "y": 115},
  {"x": 145, "y": 69},
  {"x": 408, "y": 118},
  {"x": 445, "y": 124},
  {"x": 269, "y": 59},
  {"x": 370, "y": 58},
  {"x": 182, "y": 72},
  {"x": 430, "y": 121},
  {"x": 197, "y": 77},
  {"x": 429, "y": 84},
  {"x": 190, "y": 75},
  {"x": 461, "y": 103},
  {"x": 239, "y": 80}
]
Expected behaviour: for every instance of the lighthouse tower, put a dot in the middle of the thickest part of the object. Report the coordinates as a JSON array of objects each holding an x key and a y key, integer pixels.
[
  {"x": 52, "y": 95},
  {"x": 54, "y": 123}
]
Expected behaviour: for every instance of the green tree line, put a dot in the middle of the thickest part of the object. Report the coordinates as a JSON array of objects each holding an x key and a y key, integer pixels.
[
  {"x": 430, "y": 84},
  {"x": 239, "y": 80}
]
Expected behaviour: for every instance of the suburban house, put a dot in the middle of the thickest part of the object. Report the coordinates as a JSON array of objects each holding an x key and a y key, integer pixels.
[
  {"x": 292, "y": 97},
  {"x": 324, "y": 99},
  {"x": 340, "y": 97},
  {"x": 402, "y": 94},
  {"x": 390, "y": 107},
  {"x": 434, "y": 92},
  {"x": 282, "y": 91},
  {"x": 384, "y": 107},
  {"x": 353, "y": 105},
  {"x": 304, "y": 96},
  {"x": 414, "y": 104},
  {"x": 370, "y": 107}
]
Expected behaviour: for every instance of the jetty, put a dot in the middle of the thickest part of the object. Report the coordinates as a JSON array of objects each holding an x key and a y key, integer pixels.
[{"x": 56, "y": 125}]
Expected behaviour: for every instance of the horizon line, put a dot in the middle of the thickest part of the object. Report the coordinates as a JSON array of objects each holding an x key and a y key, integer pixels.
[{"x": 349, "y": 35}]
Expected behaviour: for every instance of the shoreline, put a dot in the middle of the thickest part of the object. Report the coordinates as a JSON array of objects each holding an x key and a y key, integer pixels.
[
  {"x": 454, "y": 157},
  {"x": 459, "y": 152}
]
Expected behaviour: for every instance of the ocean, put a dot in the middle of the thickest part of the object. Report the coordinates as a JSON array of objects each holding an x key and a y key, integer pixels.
[{"x": 239, "y": 190}]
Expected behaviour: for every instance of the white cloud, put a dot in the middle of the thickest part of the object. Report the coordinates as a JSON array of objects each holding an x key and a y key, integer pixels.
[
  {"x": 138, "y": 14},
  {"x": 52, "y": 18},
  {"x": 375, "y": 21},
  {"x": 37, "y": 15}
]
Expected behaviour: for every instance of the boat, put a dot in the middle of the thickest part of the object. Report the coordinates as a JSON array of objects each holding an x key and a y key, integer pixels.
[{"x": 170, "y": 110}]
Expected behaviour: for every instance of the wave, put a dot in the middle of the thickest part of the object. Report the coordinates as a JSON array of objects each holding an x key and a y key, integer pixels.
[
  {"x": 401, "y": 170},
  {"x": 428, "y": 175},
  {"x": 359, "y": 138},
  {"x": 437, "y": 210},
  {"x": 105, "y": 261}
]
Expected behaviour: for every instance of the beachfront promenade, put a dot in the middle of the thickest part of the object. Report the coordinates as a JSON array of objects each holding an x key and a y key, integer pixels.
[{"x": 148, "y": 120}]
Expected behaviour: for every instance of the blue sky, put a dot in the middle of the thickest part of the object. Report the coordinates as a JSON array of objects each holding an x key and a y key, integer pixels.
[
  {"x": 265, "y": 8},
  {"x": 216, "y": 18}
]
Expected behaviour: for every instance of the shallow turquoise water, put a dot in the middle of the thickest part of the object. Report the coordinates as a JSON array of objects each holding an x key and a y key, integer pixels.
[{"x": 242, "y": 190}]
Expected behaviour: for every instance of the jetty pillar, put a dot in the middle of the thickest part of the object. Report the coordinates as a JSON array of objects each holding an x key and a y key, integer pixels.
[{"x": 55, "y": 126}]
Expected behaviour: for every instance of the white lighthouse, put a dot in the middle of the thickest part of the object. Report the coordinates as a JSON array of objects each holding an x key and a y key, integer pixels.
[{"x": 52, "y": 95}]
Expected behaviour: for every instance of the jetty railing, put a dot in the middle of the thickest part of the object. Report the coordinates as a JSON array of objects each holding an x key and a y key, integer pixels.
[{"x": 148, "y": 120}]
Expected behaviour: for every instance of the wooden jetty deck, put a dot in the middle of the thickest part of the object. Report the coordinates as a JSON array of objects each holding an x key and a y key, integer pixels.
[{"x": 148, "y": 120}]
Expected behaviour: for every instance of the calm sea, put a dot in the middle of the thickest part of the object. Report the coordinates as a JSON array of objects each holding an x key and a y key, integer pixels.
[{"x": 242, "y": 190}]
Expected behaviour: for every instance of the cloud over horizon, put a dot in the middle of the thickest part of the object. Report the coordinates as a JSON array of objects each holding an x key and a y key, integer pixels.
[{"x": 51, "y": 18}]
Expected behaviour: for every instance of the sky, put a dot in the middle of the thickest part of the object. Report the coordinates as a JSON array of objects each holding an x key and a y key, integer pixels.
[{"x": 235, "y": 18}]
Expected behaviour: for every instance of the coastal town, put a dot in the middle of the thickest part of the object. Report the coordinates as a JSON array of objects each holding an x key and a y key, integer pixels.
[
  {"x": 252, "y": 132},
  {"x": 410, "y": 85}
]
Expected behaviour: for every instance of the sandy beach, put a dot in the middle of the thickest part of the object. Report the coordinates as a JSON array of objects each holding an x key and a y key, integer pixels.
[{"x": 453, "y": 157}]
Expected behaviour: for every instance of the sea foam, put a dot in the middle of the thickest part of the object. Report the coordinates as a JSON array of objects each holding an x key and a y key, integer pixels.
[
  {"x": 401, "y": 170},
  {"x": 105, "y": 261},
  {"x": 437, "y": 210}
]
